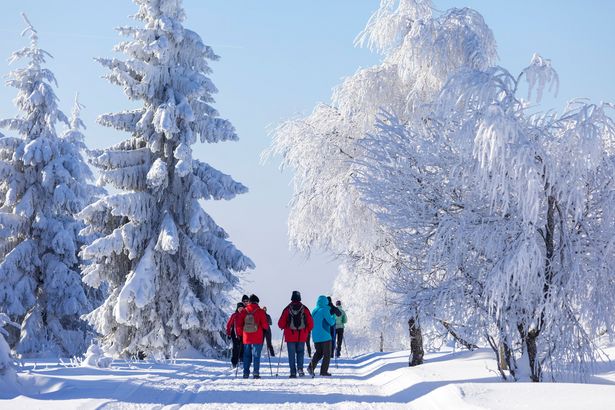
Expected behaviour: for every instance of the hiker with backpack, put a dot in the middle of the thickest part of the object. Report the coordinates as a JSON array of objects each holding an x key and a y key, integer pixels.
[
  {"x": 232, "y": 331},
  {"x": 268, "y": 333},
  {"x": 321, "y": 334},
  {"x": 340, "y": 322},
  {"x": 296, "y": 322},
  {"x": 252, "y": 324},
  {"x": 337, "y": 313}
]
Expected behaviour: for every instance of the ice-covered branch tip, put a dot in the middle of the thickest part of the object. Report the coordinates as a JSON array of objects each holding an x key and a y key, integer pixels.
[
  {"x": 75, "y": 120},
  {"x": 30, "y": 29},
  {"x": 539, "y": 74},
  {"x": 388, "y": 26}
]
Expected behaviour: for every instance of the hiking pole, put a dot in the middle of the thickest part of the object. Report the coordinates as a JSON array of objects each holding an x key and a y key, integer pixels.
[
  {"x": 279, "y": 356},
  {"x": 269, "y": 357}
]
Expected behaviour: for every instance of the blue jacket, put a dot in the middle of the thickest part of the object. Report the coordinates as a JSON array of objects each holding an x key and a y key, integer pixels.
[{"x": 323, "y": 320}]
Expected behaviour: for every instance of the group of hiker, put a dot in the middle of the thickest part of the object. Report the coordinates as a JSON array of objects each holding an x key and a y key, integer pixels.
[{"x": 250, "y": 325}]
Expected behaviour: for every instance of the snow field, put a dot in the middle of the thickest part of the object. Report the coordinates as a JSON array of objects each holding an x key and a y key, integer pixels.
[{"x": 462, "y": 380}]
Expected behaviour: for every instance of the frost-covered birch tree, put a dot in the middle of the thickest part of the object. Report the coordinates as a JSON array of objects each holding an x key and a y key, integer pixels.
[
  {"x": 168, "y": 265},
  {"x": 43, "y": 184},
  {"x": 419, "y": 51},
  {"x": 513, "y": 212}
]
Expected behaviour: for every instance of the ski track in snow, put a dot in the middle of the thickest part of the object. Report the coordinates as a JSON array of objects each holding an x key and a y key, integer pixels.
[{"x": 462, "y": 380}]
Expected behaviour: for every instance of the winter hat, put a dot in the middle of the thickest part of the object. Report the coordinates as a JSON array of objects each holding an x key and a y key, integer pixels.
[
  {"x": 245, "y": 298},
  {"x": 240, "y": 305},
  {"x": 296, "y": 297},
  {"x": 254, "y": 299},
  {"x": 338, "y": 303}
]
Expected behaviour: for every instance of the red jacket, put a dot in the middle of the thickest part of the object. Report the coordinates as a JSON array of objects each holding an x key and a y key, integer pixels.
[
  {"x": 291, "y": 335},
  {"x": 255, "y": 338},
  {"x": 232, "y": 323}
]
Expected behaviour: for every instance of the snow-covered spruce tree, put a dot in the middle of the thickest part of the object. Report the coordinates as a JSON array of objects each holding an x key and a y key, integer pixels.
[
  {"x": 513, "y": 211},
  {"x": 420, "y": 51},
  {"x": 43, "y": 184},
  {"x": 166, "y": 262}
]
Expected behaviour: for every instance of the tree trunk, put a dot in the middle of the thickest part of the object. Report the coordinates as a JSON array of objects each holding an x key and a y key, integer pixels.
[
  {"x": 416, "y": 342},
  {"x": 504, "y": 356},
  {"x": 532, "y": 353}
]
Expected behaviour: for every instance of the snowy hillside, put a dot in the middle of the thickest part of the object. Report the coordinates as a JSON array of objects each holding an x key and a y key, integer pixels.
[{"x": 461, "y": 380}]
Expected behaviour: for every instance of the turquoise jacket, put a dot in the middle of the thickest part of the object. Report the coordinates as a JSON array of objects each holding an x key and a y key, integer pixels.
[{"x": 323, "y": 320}]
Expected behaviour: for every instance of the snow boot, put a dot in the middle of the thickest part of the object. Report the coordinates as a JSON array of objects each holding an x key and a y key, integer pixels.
[
  {"x": 292, "y": 376},
  {"x": 300, "y": 373},
  {"x": 311, "y": 371}
]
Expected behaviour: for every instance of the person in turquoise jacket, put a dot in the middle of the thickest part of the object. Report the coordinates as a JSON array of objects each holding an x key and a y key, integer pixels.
[{"x": 321, "y": 335}]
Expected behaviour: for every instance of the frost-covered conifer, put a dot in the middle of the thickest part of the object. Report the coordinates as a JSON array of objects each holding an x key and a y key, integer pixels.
[
  {"x": 43, "y": 184},
  {"x": 168, "y": 265}
]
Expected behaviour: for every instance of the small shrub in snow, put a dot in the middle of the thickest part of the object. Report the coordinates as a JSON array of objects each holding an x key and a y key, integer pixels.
[
  {"x": 95, "y": 357},
  {"x": 6, "y": 361}
]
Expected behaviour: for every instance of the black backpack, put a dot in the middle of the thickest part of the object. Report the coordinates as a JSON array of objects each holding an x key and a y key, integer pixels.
[{"x": 296, "y": 318}]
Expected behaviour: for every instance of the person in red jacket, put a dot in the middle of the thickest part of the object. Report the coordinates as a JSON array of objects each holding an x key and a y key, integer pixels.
[
  {"x": 252, "y": 324},
  {"x": 296, "y": 321},
  {"x": 233, "y": 333}
]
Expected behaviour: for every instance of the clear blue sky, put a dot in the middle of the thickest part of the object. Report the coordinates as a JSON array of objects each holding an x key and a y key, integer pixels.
[{"x": 279, "y": 58}]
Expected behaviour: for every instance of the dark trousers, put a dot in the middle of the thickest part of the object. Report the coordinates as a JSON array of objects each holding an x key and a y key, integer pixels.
[
  {"x": 332, "y": 331},
  {"x": 323, "y": 351},
  {"x": 338, "y": 343},
  {"x": 237, "y": 350},
  {"x": 268, "y": 340},
  {"x": 308, "y": 344}
]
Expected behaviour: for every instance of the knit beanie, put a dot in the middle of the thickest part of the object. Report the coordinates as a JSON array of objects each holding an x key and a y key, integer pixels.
[
  {"x": 245, "y": 298},
  {"x": 296, "y": 297},
  {"x": 254, "y": 299}
]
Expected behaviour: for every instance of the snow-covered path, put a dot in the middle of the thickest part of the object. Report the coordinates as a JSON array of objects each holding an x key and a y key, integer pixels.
[{"x": 463, "y": 380}]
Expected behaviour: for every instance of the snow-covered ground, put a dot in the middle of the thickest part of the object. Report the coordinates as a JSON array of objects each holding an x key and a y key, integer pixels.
[{"x": 461, "y": 380}]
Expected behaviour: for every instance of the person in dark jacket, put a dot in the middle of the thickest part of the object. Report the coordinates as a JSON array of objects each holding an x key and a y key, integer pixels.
[
  {"x": 296, "y": 321},
  {"x": 337, "y": 313},
  {"x": 232, "y": 332},
  {"x": 252, "y": 324},
  {"x": 321, "y": 334},
  {"x": 268, "y": 333},
  {"x": 340, "y": 322}
]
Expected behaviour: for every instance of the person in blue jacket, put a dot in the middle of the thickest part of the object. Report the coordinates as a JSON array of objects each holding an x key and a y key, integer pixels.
[{"x": 321, "y": 335}]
